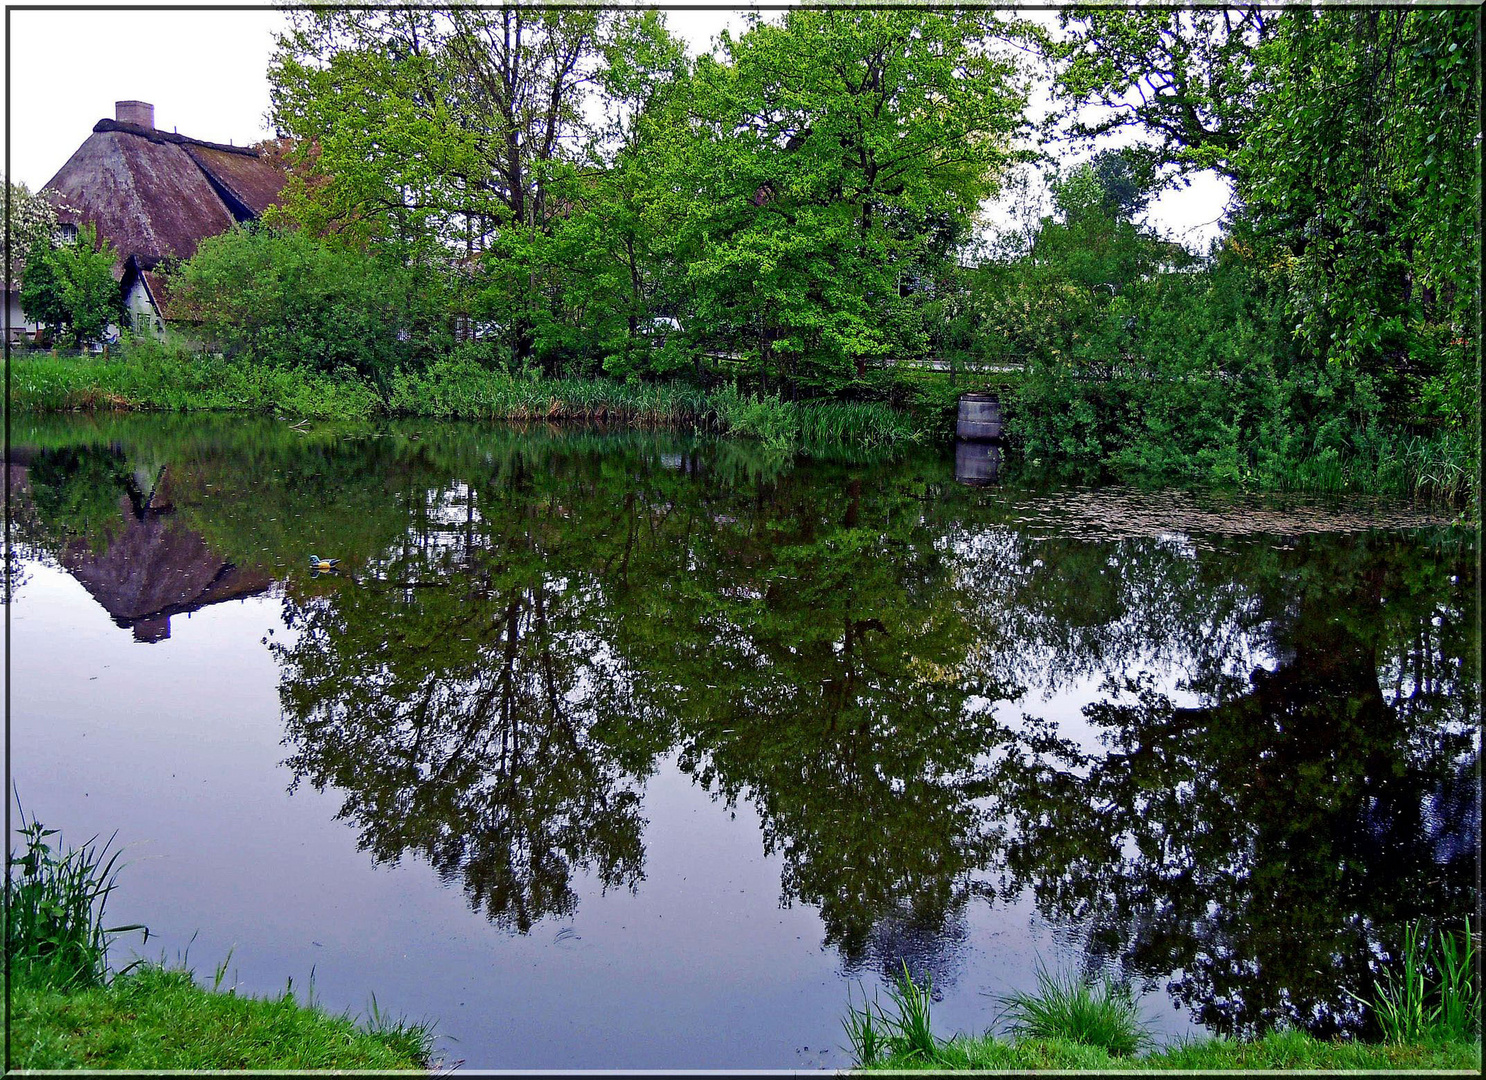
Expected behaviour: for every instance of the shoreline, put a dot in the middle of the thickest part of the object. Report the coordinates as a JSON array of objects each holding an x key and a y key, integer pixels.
[{"x": 165, "y": 382}]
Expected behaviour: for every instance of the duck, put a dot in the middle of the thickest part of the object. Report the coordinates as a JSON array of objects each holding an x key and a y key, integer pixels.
[{"x": 322, "y": 565}]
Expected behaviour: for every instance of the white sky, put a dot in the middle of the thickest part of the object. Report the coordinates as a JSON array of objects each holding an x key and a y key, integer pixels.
[{"x": 206, "y": 74}]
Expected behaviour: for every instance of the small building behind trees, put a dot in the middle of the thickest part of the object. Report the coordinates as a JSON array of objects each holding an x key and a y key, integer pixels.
[{"x": 154, "y": 196}]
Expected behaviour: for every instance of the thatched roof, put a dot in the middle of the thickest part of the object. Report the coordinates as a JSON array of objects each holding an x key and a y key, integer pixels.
[{"x": 155, "y": 194}]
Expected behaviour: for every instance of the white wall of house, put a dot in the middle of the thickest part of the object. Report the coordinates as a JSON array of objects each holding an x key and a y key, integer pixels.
[
  {"x": 17, "y": 320},
  {"x": 141, "y": 314}
]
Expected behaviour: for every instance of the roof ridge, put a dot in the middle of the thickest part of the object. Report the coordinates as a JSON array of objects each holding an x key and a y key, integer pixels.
[{"x": 155, "y": 135}]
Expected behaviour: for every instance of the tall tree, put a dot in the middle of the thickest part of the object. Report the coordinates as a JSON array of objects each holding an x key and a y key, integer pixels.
[
  {"x": 1352, "y": 137},
  {"x": 1363, "y": 184},
  {"x": 836, "y": 158},
  {"x": 1184, "y": 77},
  {"x": 443, "y": 130}
]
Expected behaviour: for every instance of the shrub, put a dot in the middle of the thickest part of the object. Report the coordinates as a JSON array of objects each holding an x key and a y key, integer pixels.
[{"x": 288, "y": 298}]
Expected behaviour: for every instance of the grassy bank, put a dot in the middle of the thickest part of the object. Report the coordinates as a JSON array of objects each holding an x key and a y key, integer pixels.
[
  {"x": 158, "y": 1018},
  {"x": 1280, "y": 1050},
  {"x": 162, "y": 380},
  {"x": 1427, "y": 1008},
  {"x": 146, "y": 377},
  {"x": 70, "y": 1011}
]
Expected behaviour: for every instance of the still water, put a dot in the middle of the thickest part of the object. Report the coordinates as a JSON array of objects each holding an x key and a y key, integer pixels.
[{"x": 612, "y": 749}]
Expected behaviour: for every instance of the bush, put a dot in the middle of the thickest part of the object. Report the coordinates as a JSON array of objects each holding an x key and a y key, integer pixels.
[{"x": 290, "y": 299}]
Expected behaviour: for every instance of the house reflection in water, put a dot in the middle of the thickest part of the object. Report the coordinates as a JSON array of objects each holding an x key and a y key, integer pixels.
[{"x": 154, "y": 567}]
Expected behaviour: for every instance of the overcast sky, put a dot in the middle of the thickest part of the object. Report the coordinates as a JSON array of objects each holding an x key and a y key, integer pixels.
[{"x": 206, "y": 74}]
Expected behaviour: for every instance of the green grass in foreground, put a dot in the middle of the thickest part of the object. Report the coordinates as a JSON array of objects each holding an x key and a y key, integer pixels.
[
  {"x": 1280, "y": 1050},
  {"x": 157, "y": 1018}
]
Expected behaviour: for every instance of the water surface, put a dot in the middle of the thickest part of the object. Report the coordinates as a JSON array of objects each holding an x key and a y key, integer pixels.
[{"x": 632, "y": 750}]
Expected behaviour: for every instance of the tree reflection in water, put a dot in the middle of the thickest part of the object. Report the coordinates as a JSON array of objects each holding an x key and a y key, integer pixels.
[
  {"x": 1264, "y": 843},
  {"x": 1286, "y": 754}
]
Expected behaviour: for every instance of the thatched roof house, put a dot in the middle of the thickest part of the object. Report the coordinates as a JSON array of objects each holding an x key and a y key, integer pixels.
[{"x": 155, "y": 195}]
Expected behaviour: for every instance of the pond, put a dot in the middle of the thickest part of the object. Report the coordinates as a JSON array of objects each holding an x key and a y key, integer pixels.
[{"x": 627, "y": 749}]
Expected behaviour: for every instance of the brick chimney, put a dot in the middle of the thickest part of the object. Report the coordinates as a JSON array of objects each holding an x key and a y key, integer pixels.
[{"x": 135, "y": 112}]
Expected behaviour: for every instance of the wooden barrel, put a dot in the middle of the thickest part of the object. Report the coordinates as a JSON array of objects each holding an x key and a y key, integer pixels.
[
  {"x": 977, "y": 464},
  {"x": 980, "y": 417}
]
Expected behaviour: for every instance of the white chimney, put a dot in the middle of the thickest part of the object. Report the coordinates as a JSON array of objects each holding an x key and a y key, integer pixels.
[{"x": 135, "y": 112}]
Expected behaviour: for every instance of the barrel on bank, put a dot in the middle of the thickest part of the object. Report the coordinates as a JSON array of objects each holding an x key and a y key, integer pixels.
[{"x": 980, "y": 417}]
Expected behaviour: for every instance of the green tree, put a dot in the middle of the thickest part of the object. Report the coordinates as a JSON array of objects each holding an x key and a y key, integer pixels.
[
  {"x": 1362, "y": 181},
  {"x": 72, "y": 285},
  {"x": 442, "y": 132},
  {"x": 1187, "y": 79},
  {"x": 43, "y": 290},
  {"x": 612, "y": 254},
  {"x": 1352, "y": 140},
  {"x": 833, "y": 163},
  {"x": 1125, "y": 192}
]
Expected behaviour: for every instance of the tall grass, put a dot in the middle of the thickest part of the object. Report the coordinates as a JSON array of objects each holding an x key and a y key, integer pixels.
[
  {"x": 911, "y": 1036},
  {"x": 153, "y": 377},
  {"x": 1442, "y": 468},
  {"x": 867, "y": 423},
  {"x": 1434, "y": 994},
  {"x": 55, "y": 901},
  {"x": 1078, "y": 1009},
  {"x": 868, "y": 1040},
  {"x": 905, "y": 1034},
  {"x": 464, "y": 390},
  {"x": 158, "y": 378}
]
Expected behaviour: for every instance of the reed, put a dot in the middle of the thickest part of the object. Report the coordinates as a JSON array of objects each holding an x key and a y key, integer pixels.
[
  {"x": 1459, "y": 964},
  {"x": 911, "y": 1037},
  {"x": 55, "y": 902},
  {"x": 1433, "y": 993},
  {"x": 868, "y": 1041}
]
